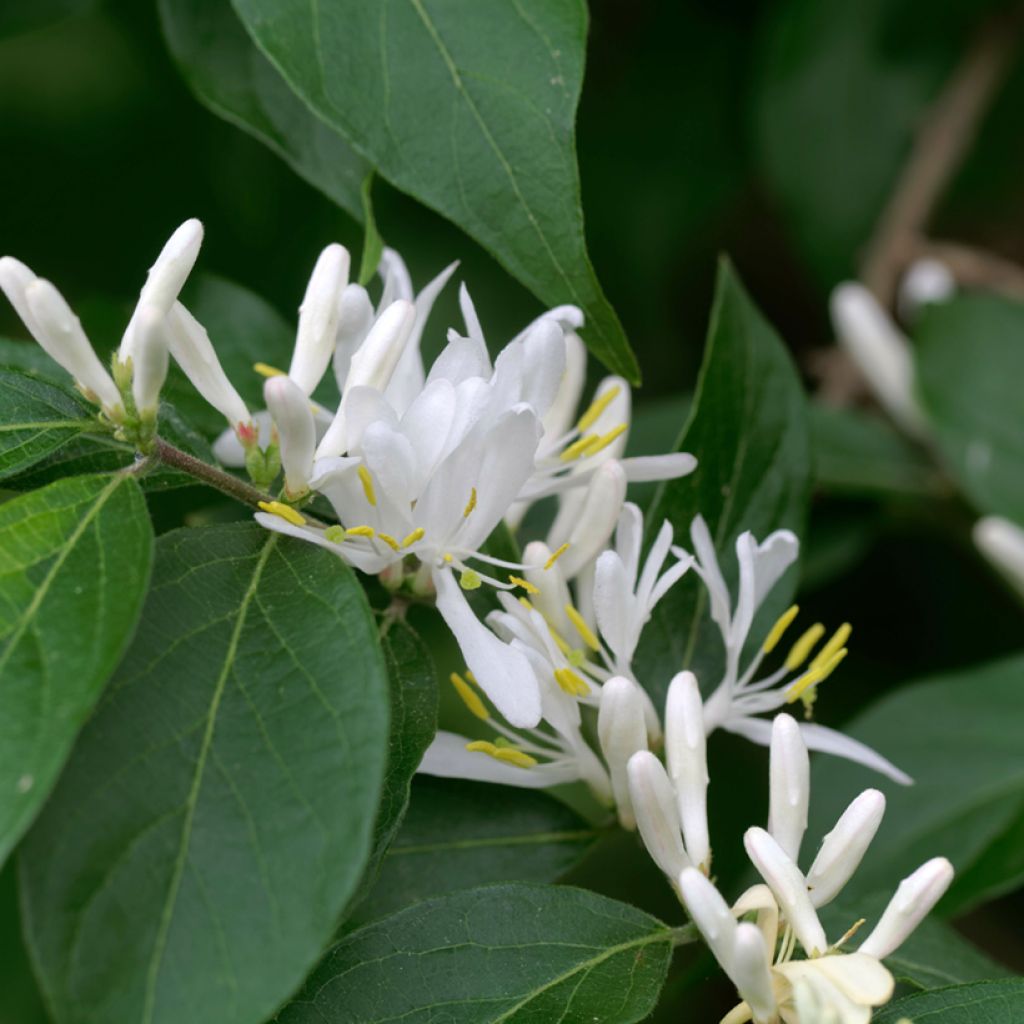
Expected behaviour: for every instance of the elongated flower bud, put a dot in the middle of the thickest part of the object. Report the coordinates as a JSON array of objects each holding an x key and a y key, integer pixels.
[
  {"x": 622, "y": 732},
  {"x": 712, "y": 916},
  {"x": 149, "y": 364},
  {"x": 914, "y": 898},
  {"x": 355, "y": 318},
  {"x": 192, "y": 350},
  {"x": 844, "y": 847},
  {"x": 318, "y": 318},
  {"x": 60, "y": 333},
  {"x": 790, "y": 889},
  {"x": 654, "y": 806},
  {"x": 597, "y": 518},
  {"x": 789, "y": 785},
  {"x": 686, "y": 754},
  {"x": 752, "y": 974},
  {"x": 289, "y": 406}
]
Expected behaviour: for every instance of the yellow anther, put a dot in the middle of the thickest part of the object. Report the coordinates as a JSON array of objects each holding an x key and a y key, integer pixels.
[
  {"x": 582, "y": 628},
  {"x": 510, "y": 755},
  {"x": 596, "y": 407},
  {"x": 360, "y": 531},
  {"x": 335, "y": 534},
  {"x": 782, "y": 624},
  {"x": 838, "y": 640},
  {"x": 572, "y": 683},
  {"x": 556, "y": 555},
  {"x": 525, "y": 584},
  {"x": 578, "y": 448},
  {"x": 446, "y": 558},
  {"x": 470, "y": 580},
  {"x": 802, "y": 648},
  {"x": 606, "y": 439},
  {"x": 472, "y": 678},
  {"x": 469, "y": 696},
  {"x": 410, "y": 539},
  {"x": 471, "y": 504},
  {"x": 286, "y": 512},
  {"x": 526, "y": 603},
  {"x": 389, "y": 540},
  {"x": 367, "y": 482},
  {"x": 814, "y": 675},
  {"x": 266, "y": 370}
]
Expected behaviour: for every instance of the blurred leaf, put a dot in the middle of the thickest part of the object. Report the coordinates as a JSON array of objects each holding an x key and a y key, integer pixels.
[
  {"x": 75, "y": 563},
  {"x": 985, "y": 1002},
  {"x": 469, "y": 107},
  {"x": 860, "y": 453},
  {"x": 218, "y": 810},
  {"x": 970, "y": 362},
  {"x": 959, "y": 737},
  {"x": 748, "y": 429},
  {"x": 20, "y": 1001},
  {"x": 509, "y": 953},
  {"x": 458, "y": 834},
  {"x": 22, "y": 15},
  {"x": 230, "y": 76}
]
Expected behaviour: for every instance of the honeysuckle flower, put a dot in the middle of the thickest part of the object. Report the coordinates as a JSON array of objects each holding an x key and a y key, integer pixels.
[
  {"x": 1002, "y": 543},
  {"x": 880, "y": 351},
  {"x": 741, "y": 695}
]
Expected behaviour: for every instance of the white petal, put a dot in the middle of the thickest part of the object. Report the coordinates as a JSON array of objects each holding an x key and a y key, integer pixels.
[
  {"x": 718, "y": 593},
  {"x": 597, "y": 518},
  {"x": 392, "y": 462},
  {"x": 629, "y": 539},
  {"x": 289, "y": 407},
  {"x": 647, "y": 468},
  {"x": 844, "y": 847},
  {"x": 559, "y": 416},
  {"x": 375, "y": 360},
  {"x": 711, "y": 914},
  {"x": 448, "y": 758},
  {"x": 654, "y": 806},
  {"x": 318, "y": 318},
  {"x": 829, "y": 741},
  {"x": 622, "y": 732},
  {"x": 149, "y": 364},
  {"x": 789, "y": 785},
  {"x": 751, "y": 971},
  {"x": 355, "y": 318},
  {"x": 544, "y": 365},
  {"x": 613, "y": 605},
  {"x": 685, "y": 751}
]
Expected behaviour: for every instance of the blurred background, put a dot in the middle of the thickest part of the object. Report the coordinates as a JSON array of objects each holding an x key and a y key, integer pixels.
[{"x": 774, "y": 131}]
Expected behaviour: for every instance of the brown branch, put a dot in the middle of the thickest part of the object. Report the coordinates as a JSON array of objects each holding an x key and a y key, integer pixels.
[
  {"x": 207, "y": 474},
  {"x": 975, "y": 268}
]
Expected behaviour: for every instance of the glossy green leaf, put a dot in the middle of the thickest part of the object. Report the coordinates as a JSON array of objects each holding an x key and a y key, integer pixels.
[
  {"x": 970, "y": 362},
  {"x": 36, "y": 419},
  {"x": 230, "y": 76},
  {"x": 469, "y": 107},
  {"x": 509, "y": 953},
  {"x": 218, "y": 811},
  {"x": 985, "y": 1002},
  {"x": 74, "y": 563},
  {"x": 457, "y": 834},
  {"x": 959, "y": 738},
  {"x": 748, "y": 430}
]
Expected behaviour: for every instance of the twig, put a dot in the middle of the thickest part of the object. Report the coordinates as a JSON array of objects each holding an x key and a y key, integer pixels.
[
  {"x": 223, "y": 482},
  {"x": 975, "y": 268}
]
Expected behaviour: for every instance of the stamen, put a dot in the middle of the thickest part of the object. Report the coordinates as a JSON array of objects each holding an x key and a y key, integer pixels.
[
  {"x": 526, "y": 603},
  {"x": 839, "y": 638},
  {"x": 525, "y": 584},
  {"x": 803, "y": 647},
  {"x": 813, "y": 676},
  {"x": 266, "y": 370},
  {"x": 389, "y": 540},
  {"x": 556, "y": 555},
  {"x": 471, "y": 504},
  {"x": 447, "y": 558},
  {"x": 470, "y": 579},
  {"x": 596, "y": 407},
  {"x": 851, "y": 931},
  {"x": 470, "y": 677},
  {"x": 782, "y": 624},
  {"x": 510, "y": 755},
  {"x": 360, "y": 531},
  {"x": 606, "y": 439},
  {"x": 571, "y": 683},
  {"x": 367, "y": 482},
  {"x": 578, "y": 448},
  {"x": 335, "y": 534},
  {"x": 582, "y": 628},
  {"x": 286, "y": 512},
  {"x": 560, "y": 641},
  {"x": 417, "y": 534},
  {"x": 469, "y": 697}
]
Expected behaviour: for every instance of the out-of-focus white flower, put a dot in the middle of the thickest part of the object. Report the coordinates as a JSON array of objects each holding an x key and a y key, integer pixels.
[
  {"x": 1002, "y": 543},
  {"x": 926, "y": 281}
]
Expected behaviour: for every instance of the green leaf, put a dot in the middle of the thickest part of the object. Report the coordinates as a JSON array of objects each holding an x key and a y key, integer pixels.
[
  {"x": 229, "y": 75},
  {"x": 748, "y": 430},
  {"x": 985, "y": 1002},
  {"x": 970, "y": 362},
  {"x": 22, "y": 15},
  {"x": 75, "y": 563},
  {"x": 469, "y": 107},
  {"x": 20, "y": 1001},
  {"x": 959, "y": 738},
  {"x": 509, "y": 953},
  {"x": 458, "y": 834},
  {"x": 36, "y": 419},
  {"x": 217, "y": 813}
]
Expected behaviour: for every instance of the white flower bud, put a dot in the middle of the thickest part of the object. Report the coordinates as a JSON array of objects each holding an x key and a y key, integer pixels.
[
  {"x": 60, "y": 333},
  {"x": 1002, "y": 543},
  {"x": 596, "y": 520},
  {"x": 712, "y": 916},
  {"x": 318, "y": 318},
  {"x": 788, "y": 886},
  {"x": 355, "y": 318},
  {"x": 915, "y": 897},
  {"x": 289, "y": 406},
  {"x": 752, "y": 973},
  {"x": 149, "y": 364},
  {"x": 844, "y": 847},
  {"x": 622, "y": 732},
  {"x": 925, "y": 282},
  {"x": 192, "y": 350},
  {"x": 789, "y": 785},
  {"x": 654, "y": 806},
  {"x": 686, "y": 754}
]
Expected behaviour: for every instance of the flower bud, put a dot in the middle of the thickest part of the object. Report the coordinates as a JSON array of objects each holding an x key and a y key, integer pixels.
[
  {"x": 654, "y": 807},
  {"x": 790, "y": 889},
  {"x": 289, "y": 406},
  {"x": 596, "y": 519},
  {"x": 355, "y": 318},
  {"x": 789, "y": 785},
  {"x": 622, "y": 732},
  {"x": 844, "y": 847},
  {"x": 915, "y": 897},
  {"x": 712, "y": 916},
  {"x": 318, "y": 318},
  {"x": 1002, "y": 543},
  {"x": 752, "y": 974},
  {"x": 149, "y": 364},
  {"x": 685, "y": 752},
  {"x": 926, "y": 281}
]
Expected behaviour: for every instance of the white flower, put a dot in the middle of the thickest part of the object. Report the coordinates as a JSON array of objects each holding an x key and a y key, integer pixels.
[
  {"x": 927, "y": 281},
  {"x": 1002, "y": 543},
  {"x": 740, "y": 696}
]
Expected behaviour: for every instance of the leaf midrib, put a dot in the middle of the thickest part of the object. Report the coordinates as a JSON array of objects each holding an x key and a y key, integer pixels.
[{"x": 571, "y": 836}]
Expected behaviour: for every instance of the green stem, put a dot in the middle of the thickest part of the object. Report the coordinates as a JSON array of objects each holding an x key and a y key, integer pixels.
[
  {"x": 207, "y": 474},
  {"x": 684, "y": 935}
]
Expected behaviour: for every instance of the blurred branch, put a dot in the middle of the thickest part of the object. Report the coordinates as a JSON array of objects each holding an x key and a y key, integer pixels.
[{"x": 974, "y": 268}]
